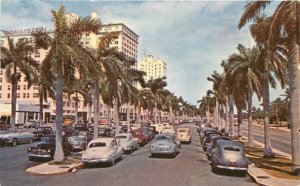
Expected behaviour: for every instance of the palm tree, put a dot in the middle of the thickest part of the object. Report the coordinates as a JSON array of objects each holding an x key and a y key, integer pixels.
[
  {"x": 65, "y": 56},
  {"x": 243, "y": 66},
  {"x": 284, "y": 23},
  {"x": 16, "y": 61}
]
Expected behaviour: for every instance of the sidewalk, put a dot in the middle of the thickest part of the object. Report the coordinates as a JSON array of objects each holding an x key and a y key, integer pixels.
[
  {"x": 263, "y": 178},
  {"x": 49, "y": 168}
]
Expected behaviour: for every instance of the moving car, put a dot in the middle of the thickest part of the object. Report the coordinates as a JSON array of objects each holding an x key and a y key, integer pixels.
[
  {"x": 102, "y": 150},
  {"x": 13, "y": 137},
  {"x": 183, "y": 134},
  {"x": 46, "y": 148},
  {"x": 139, "y": 134},
  {"x": 80, "y": 139},
  {"x": 42, "y": 131},
  {"x": 168, "y": 129},
  {"x": 164, "y": 144},
  {"x": 127, "y": 141},
  {"x": 229, "y": 155}
]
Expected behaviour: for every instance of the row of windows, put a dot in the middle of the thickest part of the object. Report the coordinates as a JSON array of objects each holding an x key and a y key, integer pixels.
[{"x": 19, "y": 87}]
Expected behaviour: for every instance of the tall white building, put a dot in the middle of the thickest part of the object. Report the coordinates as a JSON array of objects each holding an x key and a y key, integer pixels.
[
  {"x": 154, "y": 68},
  {"x": 127, "y": 42}
]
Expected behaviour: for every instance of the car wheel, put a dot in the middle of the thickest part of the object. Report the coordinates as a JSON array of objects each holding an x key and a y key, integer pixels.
[
  {"x": 113, "y": 162},
  {"x": 131, "y": 150},
  {"x": 174, "y": 155},
  {"x": 30, "y": 158},
  {"x": 30, "y": 141},
  {"x": 14, "y": 142}
]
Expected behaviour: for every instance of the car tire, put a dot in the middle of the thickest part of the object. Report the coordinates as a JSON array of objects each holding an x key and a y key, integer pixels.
[
  {"x": 113, "y": 162},
  {"x": 150, "y": 155},
  {"x": 30, "y": 141},
  {"x": 174, "y": 155},
  {"x": 14, "y": 142},
  {"x": 30, "y": 158}
]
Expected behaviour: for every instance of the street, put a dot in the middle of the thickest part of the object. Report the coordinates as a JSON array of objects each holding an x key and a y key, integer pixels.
[{"x": 190, "y": 167}]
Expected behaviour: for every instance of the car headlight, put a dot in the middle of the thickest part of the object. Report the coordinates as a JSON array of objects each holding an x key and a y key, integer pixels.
[
  {"x": 29, "y": 149},
  {"x": 49, "y": 150}
]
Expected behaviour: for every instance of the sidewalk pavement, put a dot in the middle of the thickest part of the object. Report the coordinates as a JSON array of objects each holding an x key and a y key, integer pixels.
[
  {"x": 263, "y": 178},
  {"x": 49, "y": 168}
]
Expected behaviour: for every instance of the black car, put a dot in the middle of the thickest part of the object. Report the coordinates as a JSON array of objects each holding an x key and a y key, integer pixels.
[
  {"x": 67, "y": 130},
  {"x": 81, "y": 127},
  {"x": 42, "y": 131},
  {"x": 46, "y": 148},
  {"x": 105, "y": 132}
]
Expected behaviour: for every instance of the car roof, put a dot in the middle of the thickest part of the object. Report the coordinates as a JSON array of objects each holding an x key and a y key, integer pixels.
[
  {"x": 226, "y": 143},
  {"x": 102, "y": 140},
  {"x": 124, "y": 134}
]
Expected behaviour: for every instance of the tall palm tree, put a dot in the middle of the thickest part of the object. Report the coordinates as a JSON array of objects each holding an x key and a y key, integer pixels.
[
  {"x": 284, "y": 23},
  {"x": 16, "y": 61},
  {"x": 243, "y": 66},
  {"x": 65, "y": 56}
]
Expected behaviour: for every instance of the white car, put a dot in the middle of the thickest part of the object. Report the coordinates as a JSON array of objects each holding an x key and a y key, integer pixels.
[
  {"x": 168, "y": 129},
  {"x": 158, "y": 127},
  {"x": 127, "y": 141},
  {"x": 183, "y": 134},
  {"x": 102, "y": 150}
]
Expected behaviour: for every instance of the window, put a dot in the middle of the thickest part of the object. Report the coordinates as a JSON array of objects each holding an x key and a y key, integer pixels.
[
  {"x": 28, "y": 95},
  {"x": 87, "y": 43},
  {"x": 87, "y": 34},
  {"x": 0, "y": 87},
  {"x": 1, "y": 72},
  {"x": 35, "y": 95},
  {"x": 18, "y": 95},
  {"x": 0, "y": 80},
  {"x": 116, "y": 42},
  {"x": 8, "y": 87},
  {"x": 19, "y": 87},
  {"x": 8, "y": 95},
  {"x": 24, "y": 95},
  {"x": 0, "y": 95},
  {"x": 24, "y": 87},
  {"x": 35, "y": 87}
]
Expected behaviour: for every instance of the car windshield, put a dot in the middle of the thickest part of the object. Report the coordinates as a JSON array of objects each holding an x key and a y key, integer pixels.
[
  {"x": 182, "y": 131},
  {"x": 48, "y": 139},
  {"x": 231, "y": 148},
  {"x": 120, "y": 137},
  {"x": 164, "y": 138},
  {"x": 97, "y": 144},
  {"x": 79, "y": 134}
]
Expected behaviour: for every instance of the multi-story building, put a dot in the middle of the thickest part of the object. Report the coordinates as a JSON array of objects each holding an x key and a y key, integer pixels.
[
  {"x": 154, "y": 68},
  {"x": 28, "y": 98}
]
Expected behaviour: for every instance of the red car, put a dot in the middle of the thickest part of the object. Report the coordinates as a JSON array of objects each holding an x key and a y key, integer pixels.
[
  {"x": 140, "y": 135},
  {"x": 176, "y": 122}
]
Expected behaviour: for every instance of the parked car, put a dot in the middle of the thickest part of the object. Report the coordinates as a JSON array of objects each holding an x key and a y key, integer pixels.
[
  {"x": 81, "y": 127},
  {"x": 168, "y": 129},
  {"x": 203, "y": 132},
  {"x": 105, "y": 132},
  {"x": 213, "y": 144},
  {"x": 164, "y": 144},
  {"x": 13, "y": 137},
  {"x": 67, "y": 130},
  {"x": 139, "y": 134},
  {"x": 46, "y": 148},
  {"x": 102, "y": 150},
  {"x": 80, "y": 139},
  {"x": 229, "y": 155},
  {"x": 183, "y": 134},
  {"x": 30, "y": 124},
  {"x": 127, "y": 141},
  {"x": 176, "y": 122},
  {"x": 207, "y": 139},
  {"x": 42, "y": 131}
]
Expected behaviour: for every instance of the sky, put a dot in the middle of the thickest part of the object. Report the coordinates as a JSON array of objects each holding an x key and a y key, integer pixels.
[{"x": 193, "y": 37}]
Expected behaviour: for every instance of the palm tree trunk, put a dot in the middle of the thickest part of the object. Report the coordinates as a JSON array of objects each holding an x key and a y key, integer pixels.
[
  {"x": 240, "y": 120},
  {"x": 116, "y": 111},
  {"x": 139, "y": 122},
  {"x": 59, "y": 154},
  {"x": 90, "y": 112},
  {"x": 41, "y": 106},
  {"x": 294, "y": 111},
  {"x": 231, "y": 112},
  {"x": 170, "y": 115},
  {"x": 14, "y": 85},
  {"x": 155, "y": 113},
  {"x": 128, "y": 116},
  {"x": 107, "y": 114},
  {"x": 76, "y": 108},
  {"x": 96, "y": 108},
  {"x": 266, "y": 100},
  {"x": 250, "y": 126},
  {"x": 226, "y": 117}
]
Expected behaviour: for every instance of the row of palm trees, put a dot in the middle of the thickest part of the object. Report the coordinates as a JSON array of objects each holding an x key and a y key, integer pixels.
[
  {"x": 253, "y": 70},
  {"x": 73, "y": 70}
]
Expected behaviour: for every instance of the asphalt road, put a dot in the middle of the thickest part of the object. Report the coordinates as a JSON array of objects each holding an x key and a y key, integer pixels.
[
  {"x": 280, "y": 139},
  {"x": 189, "y": 168}
]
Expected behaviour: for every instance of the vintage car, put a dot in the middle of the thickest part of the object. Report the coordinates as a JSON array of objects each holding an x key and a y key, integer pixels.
[
  {"x": 102, "y": 150},
  {"x": 67, "y": 130},
  {"x": 13, "y": 137},
  {"x": 176, "y": 122},
  {"x": 45, "y": 149},
  {"x": 42, "y": 131},
  {"x": 81, "y": 127},
  {"x": 207, "y": 139},
  {"x": 127, "y": 141},
  {"x": 80, "y": 139},
  {"x": 229, "y": 155},
  {"x": 164, "y": 144},
  {"x": 183, "y": 134},
  {"x": 30, "y": 124},
  {"x": 140, "y": 135},
  {"x": 105, "y": 132},
  {"x": 213, "y": 144},
  {"x": 168, "y": 129}
]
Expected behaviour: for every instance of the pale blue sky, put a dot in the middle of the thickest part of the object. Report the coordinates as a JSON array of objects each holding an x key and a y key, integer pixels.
[{"x": 192, "y": 37}]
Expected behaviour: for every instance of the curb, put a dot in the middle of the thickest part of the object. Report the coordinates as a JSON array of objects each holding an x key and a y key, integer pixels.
[
  {"x": 63, "y": 171},
  {"x": 253, "y": 177}
]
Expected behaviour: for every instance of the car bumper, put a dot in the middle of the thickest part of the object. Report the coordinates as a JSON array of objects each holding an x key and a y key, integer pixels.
[
  {"x": 232, "y": 168},
  {"x": 184, "y": 139},
  {"x": 39, "y": 155},
  {"x": 163, "y": 152},
  {"x": 96, "y": 160}
]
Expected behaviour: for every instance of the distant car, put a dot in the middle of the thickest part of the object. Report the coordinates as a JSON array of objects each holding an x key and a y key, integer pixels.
[
  {"x": 207, "y": 139},
  {"x": 67, "y": 130},
  {"x": 102, "y": 150},
  {"x": 213, "y": 144},
  {"x": 168, "y": 129},
  {"x": 46, "y": 148},
  {"x": 80, "y": 139},
  {"x": 4, "y": 126},
  {"x": 105, "y": 132},
  {"x": 139, "y": 134},
  {"x": 229, "y": 155},
  {"x": 176, "y": 122},
  {"x": 42, "y": 131},
  {"x": 127, "y": 141},
  {"x": 13, "y": 137},
  {"x": 164, "y": 144},
  {"x": 204, "y": 131},
  {"x": 30, "y": 124},
  {"x": 183, "y": 134},
  {"x": 81, "y": 127}
]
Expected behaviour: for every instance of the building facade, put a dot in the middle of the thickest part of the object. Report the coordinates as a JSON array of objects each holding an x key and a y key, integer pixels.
[{"x": 126, "y": 42}]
